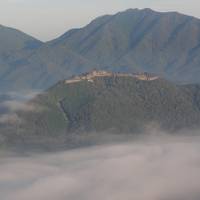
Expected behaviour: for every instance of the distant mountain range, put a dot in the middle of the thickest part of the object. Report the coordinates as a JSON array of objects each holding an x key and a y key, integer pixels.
[
  {"x": 101, "y": 103},
  {"x": 167, "y": 44}
]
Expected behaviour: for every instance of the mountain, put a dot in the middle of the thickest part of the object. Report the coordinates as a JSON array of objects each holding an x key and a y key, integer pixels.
[
  {"x": 102, "y": 102},
  {"x": 14, "y": 45},
  {"x": 141, "y": 40},
  {"x": 165, "y": 43},
  {"x": 12, "y": 40}
]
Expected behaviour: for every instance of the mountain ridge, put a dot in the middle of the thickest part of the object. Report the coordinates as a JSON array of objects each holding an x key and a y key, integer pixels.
[{"x": 135, "y": 40}]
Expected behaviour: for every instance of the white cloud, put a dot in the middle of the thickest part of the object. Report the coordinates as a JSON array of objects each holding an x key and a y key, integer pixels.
[
  {"x": 9, "y": 118},
  {"x": 16, "y": 102},
  {"x": 14, "y": 105},
  {"x": 164, "y": 170}
]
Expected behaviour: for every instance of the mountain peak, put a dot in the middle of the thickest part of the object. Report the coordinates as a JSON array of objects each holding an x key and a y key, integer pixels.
[
  {"x": 151, "y": 11},
  {"x": 146, "y": 10}
]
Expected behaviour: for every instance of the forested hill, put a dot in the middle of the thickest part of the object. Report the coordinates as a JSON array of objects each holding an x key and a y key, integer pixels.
[{"x": 101, "y": 101}]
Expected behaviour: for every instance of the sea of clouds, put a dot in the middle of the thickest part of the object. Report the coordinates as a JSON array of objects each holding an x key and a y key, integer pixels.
[
  {"x": 12, "y": 102},
  {"x": 157, "y": 167}
]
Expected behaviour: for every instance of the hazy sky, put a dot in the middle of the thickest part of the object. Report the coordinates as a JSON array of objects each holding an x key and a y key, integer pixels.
[{"x": 47, "y": 19}]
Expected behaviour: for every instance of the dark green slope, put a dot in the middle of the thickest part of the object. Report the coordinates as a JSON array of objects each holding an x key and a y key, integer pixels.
[{"x": 67, "y": 113}]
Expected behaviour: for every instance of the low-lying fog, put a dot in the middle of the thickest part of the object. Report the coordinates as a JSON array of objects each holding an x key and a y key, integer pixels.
[
  {"x": 12, "y": 102},
  {"x": 160, "y": 168}
]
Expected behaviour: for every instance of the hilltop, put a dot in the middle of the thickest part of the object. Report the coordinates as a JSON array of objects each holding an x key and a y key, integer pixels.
[
  {"x": 95, "y": 73},
  {"x": 101, "y": 102}
]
